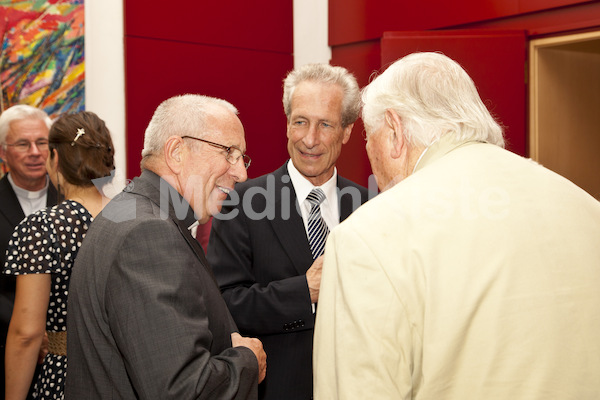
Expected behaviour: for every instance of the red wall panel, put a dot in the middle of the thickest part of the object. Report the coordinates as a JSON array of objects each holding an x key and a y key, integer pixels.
[
  {"x": 261, "y": 25},
  {"x": 495, "y": 60},
  {"x": 250, "y": 80},
  {"x": 359, "y": 20},
  {"x": 361, "y": 59},
  {"x": 565, "y": 19},
  {"x": 367, "y": 19},
  {"x": 526, "y": 6},
  {"x": 355, "y": 26},
  {"x": 236, "y": 50}
]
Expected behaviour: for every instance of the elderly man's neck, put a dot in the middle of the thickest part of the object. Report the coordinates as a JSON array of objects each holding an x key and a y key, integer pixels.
[{"x": 32, "y": 185}]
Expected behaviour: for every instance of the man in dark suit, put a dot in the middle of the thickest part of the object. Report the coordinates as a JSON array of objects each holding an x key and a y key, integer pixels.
[
  {"x": 23, "y": 190},
  {"x": 146, "y": 318},
  {"x": 265, "y": 248}
]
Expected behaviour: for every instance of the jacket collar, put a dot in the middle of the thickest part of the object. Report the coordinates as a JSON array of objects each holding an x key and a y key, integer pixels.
[{"x": 440, "y": 148}]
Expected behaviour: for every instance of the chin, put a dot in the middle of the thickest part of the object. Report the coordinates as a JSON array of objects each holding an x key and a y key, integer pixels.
[
  {"x": 204, "y": 219},
  {"x": 213, "y": 209}
]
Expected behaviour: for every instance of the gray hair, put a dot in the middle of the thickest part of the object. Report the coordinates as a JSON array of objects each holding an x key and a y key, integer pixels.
[
  {"x": 325, "y": 73},
  {"x": 19, "y": 112},
  {"x": 180, "y": 115},
  {"x": 433, "y": 95}
]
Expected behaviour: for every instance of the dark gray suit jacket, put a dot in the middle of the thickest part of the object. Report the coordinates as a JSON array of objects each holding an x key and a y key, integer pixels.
[
  {"x": 260, "y": 265},
  {"x": 145, "y": 316},
  {"x": 11, "y": 214}
]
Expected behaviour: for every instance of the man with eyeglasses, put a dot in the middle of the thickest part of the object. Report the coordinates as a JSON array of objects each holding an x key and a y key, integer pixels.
[
  {"x": 266, "y": 249},
  {"x": 23, "y": 190},
  {"x": 146, "y": 317}
]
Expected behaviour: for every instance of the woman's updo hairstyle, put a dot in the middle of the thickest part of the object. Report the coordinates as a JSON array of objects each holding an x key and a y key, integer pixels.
[{"x": 84, "y": 146}]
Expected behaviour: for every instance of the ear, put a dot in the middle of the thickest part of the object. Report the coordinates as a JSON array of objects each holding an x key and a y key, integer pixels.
[
  {"x": 173, "y": 153},
  {"x": 398, "y": 141},
  {"x": 54, "y": 159},
  {"x": 52, "y": 162},
  {"x": 347, "y": 132}
]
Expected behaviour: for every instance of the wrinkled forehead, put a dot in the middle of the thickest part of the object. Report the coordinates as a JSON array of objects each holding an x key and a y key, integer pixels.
[
  {"x": 321, "y": 100},
  {"x": 226, "y": 128},
  {"x": 27, "y": 129}
]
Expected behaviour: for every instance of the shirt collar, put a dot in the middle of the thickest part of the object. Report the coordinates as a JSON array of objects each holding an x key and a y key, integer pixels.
[
  {"x": 440, "y": 147},
  {"x": 193, "y": 228},
  {"x": 26, "y": 194},
  {"x": 303, "y": 186}
]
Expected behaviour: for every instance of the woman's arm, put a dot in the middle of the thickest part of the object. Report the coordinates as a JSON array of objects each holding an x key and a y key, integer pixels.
[{"x": 25, "y": 333}]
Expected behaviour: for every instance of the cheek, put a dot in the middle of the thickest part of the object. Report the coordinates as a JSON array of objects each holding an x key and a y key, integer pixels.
[
  {"x": 374, "y": 158},
  {"x": 369, "y": 149},
  {"x": 293, "y": 136},
  {"x": 218, "y": 172}
]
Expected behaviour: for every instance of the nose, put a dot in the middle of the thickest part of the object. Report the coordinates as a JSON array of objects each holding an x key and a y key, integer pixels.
[
  {"x": 238, "y": 170},
  {"x": 34, "y": 149},
  {"x": 311, "y": 139}
]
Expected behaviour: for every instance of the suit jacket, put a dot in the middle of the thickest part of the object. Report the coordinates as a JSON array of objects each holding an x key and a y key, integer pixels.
[
  {"x": 260, "y": 258},
  {"x": 474, "y": 278},
  {"x": 11, "y": 214},
  {"x": 146, "y": 318}
]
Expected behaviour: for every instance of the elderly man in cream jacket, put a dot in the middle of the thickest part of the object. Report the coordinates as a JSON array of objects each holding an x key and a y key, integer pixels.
[{"x": 474, "y": 275}]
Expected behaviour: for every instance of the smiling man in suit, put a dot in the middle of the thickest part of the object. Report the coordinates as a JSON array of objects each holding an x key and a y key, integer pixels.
[
  {"x": 146, "y": 318},
  {"x": 24, "y": 190},
  {"x": 266, "y": 250}
]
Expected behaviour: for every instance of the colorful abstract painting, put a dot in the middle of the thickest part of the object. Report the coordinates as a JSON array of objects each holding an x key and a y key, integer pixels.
[{"x": 42, "y": 58}]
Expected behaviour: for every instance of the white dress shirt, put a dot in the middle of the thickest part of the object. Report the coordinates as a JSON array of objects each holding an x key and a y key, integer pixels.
[{"x": 329, "y": 206}]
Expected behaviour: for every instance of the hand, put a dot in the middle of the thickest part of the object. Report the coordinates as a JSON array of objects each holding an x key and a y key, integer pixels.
[
  {"x": 313, "y": 278},
  {"x": 257, "y": 348}
]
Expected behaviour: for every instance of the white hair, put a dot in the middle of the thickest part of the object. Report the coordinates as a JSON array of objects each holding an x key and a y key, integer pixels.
[
  {"x": 180, "y": 115},
  {"x": 433, "y": 95},
  {"x": 325, "y": 73},
  {"x": 20, "y": 112}
]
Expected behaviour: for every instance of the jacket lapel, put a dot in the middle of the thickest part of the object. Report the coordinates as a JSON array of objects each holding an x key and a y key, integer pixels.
[
  {"x": 193, "y": 243},
  {"x": 149, "y": 185},
  {"x": 346, "y": 206},
  {"x": 290, "y": 230}
]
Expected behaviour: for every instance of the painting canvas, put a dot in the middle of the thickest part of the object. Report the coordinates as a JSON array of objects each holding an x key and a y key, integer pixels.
[{"x": 42, "y": 56}]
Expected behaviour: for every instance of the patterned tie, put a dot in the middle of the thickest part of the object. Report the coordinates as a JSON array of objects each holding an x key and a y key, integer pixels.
[{"x": 317, "y": 228}]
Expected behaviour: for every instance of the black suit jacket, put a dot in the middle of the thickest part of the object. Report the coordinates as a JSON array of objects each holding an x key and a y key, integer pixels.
[
  {"x": 11, "y": 214},
  {"x": 260, "y": 253},
  {"x": 145, "y": 316}
]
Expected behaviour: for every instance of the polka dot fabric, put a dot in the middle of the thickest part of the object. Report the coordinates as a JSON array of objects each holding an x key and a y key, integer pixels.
[{"x": 47, "y": 242}]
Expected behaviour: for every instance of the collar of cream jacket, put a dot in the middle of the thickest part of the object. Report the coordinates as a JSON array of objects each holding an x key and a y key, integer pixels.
[{"x": 440, "y": 148}]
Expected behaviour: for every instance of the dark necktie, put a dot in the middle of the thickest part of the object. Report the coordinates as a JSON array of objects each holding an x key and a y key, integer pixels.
[{"x": 317, "y": 228}]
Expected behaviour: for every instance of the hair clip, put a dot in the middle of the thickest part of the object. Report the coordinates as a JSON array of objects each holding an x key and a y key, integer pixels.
[{"x": 80, "y": 132}]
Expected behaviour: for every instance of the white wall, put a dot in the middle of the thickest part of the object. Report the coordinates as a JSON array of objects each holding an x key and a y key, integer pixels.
[
  {"x": 311, "y": 32},
  {"x": 105, "y": 70}
]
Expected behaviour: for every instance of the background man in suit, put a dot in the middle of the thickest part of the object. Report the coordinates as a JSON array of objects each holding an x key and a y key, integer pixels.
[
  {"x": 146, "y": 318},
  {"x": 474, "y": 275},
  {"x": 262, "y": 258},
  {"x": 24, "y": 190}
]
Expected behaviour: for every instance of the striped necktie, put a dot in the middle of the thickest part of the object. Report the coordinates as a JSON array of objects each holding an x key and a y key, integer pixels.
[{"x": 317, "y": 228}]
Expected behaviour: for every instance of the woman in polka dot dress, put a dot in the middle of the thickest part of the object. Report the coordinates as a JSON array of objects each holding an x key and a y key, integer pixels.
[{"x": 42, "y": 251}]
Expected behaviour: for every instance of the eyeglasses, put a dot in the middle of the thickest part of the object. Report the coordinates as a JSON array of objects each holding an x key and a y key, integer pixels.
[
  {"x": 233, "y": 153},
  {"x": 23, "y": 146}
]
